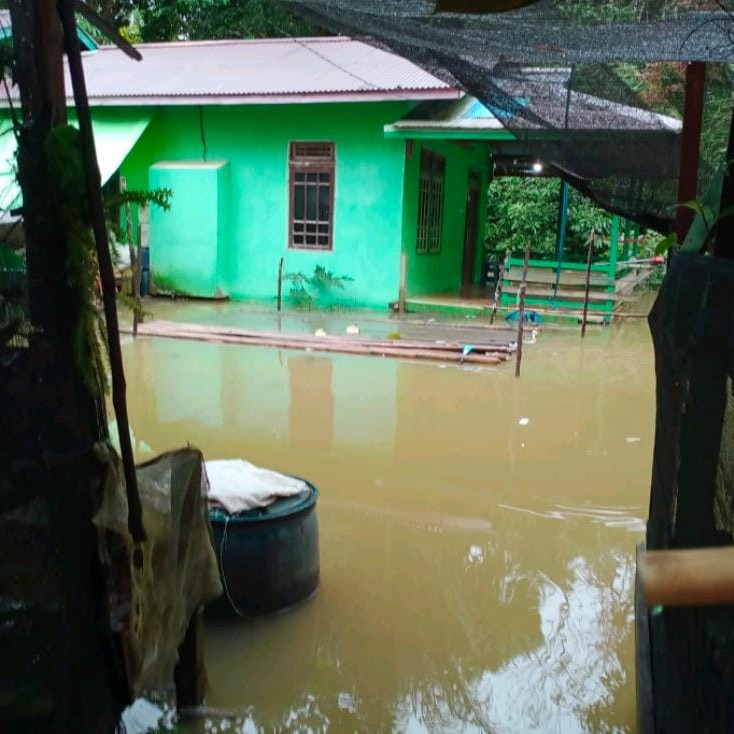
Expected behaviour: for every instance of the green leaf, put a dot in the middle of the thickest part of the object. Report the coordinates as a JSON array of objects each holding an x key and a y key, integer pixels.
[{"x": 666, "y": 243}]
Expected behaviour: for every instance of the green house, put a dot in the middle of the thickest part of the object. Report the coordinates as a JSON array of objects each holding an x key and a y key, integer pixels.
[
  {"x": 320, "y": 152},
  {"x": 282, "y": 149}
]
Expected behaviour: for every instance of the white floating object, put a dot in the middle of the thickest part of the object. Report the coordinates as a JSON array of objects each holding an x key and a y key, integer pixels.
[
  {"x": 524, "y": 421},
  {"x": 632, "y": 439},
  {"x": 353, "y": 329},
  {"x": 319, "y": 332}
]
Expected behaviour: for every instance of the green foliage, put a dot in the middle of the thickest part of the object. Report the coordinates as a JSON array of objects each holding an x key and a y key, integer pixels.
[
  {"x": 522, "y": 210},
  {"x": 113, "y": 202},
  {"x": 63, "y": 153},
  {"x": 310, "y": 290},
  {"x": 157, "y": 197},
  {"x": 168, "y": 20},
  {"x": 617, "y": 11}
]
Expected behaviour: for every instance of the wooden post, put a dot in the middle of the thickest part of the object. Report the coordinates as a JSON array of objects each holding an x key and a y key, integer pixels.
[
  {"x": 498, "y": 285},
  {"x": 587, "y": 285},
  {"x": 690, "y": 145},
  {"x": 188, "y": 675},
  {"x": 403, "y": 282},
  {"x": 521, "y": 309},
  {"x": 724, "y": 241},
  {"x": 280, "y": 285}
]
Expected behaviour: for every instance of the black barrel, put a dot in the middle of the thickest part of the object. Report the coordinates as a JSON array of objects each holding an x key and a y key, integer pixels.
[{"x": 268, "y": 557}]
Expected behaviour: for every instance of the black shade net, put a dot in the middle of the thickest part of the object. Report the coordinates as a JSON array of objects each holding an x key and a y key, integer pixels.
[{"x": 592, "y": 88}]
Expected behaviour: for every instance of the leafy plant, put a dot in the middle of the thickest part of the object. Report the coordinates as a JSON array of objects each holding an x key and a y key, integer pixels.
[
  {"x": 521, "y": 210},
  {"x": 307, "y": 290}
]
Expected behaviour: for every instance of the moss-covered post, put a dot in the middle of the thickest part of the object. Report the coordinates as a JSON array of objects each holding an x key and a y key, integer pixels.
[{"x": 58, "y": 419}]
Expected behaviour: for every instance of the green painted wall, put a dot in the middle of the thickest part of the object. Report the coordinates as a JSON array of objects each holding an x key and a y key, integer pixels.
[
  {"x": 189, "y": 242},
  {"x": 254, "y": 139},
  {"x": 431, "y": 273}
]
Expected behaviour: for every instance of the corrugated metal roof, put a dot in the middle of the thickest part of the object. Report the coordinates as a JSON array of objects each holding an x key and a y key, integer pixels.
[{"x": 248, "y": 71}]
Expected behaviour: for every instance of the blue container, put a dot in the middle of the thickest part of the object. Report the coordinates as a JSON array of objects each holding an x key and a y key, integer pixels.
[
  {"x": 268, "y": 557},
  {"x": 144, "y": 282}
]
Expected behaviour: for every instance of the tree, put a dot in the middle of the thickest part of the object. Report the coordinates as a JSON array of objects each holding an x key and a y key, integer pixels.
[
  {"x": 168, "y": 20},
  {"x": 522, "y": 210}
]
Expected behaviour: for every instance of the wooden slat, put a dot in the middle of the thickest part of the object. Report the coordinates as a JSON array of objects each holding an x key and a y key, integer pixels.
[
  {"x": 565, "y": 295},
  {"x": 569, "y": 278}
]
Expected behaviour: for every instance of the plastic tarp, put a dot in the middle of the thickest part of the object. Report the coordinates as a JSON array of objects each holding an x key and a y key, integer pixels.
[
  {"x": 151, "y": 606},
  {"x": 238, "y": 485}
]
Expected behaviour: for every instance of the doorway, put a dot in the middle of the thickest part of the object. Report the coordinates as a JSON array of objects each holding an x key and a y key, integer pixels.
[{"x": 470, "y": 234}]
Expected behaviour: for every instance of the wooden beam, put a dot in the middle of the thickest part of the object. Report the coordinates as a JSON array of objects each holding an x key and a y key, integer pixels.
[
  {"x": 685, "y": 578},
  {"x": 724, "y": 242},
  {"x": 690, "y": 145}
]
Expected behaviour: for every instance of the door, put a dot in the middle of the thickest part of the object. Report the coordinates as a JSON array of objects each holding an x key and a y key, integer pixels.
[{"x": 470, "y": 233}]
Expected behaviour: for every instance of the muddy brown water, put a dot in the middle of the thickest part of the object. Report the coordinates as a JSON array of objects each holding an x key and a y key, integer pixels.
[{"x": 477, "y": 531}]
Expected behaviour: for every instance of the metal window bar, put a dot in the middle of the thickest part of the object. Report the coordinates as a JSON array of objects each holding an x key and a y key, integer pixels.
[{"x": 430, "y": 203}]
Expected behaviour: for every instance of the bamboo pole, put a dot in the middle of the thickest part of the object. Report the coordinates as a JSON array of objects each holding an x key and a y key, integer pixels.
[
  {"x": 498, "y": 285},
  {"x": 589, "y": 258},
  {"x": 94, "y": 197},
  {"x": 521, "y": 309}
]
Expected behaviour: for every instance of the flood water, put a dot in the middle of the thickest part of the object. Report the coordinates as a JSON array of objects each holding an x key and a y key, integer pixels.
[{"x": 477, "y": 531}]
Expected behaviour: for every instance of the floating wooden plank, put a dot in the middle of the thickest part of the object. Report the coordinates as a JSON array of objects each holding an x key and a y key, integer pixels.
[
  {"x": 487, "y": 354},
  {"x": 478, "y": 343}
]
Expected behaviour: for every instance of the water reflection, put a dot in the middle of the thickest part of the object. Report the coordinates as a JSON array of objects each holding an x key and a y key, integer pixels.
[{"x": 476, "y": 570}]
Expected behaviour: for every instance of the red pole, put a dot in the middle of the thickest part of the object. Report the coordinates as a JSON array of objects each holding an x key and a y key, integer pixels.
[{"x": 690, "y": 145}]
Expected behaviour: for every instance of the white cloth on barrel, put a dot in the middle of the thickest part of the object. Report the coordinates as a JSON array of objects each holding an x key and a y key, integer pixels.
[{"x": 237, "y": 485}]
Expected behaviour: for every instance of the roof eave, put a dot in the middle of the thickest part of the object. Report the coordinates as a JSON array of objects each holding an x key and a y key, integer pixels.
[
  {"x": 411, "y": 95},
  {"x": 418, "y": 132}
]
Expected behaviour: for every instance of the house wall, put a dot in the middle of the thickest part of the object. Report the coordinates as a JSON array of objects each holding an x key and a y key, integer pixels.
[
  {"x": 195, "y": 225},
  {"x": 254, "y": 139},
  {"x": 430, "y": 273}
]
